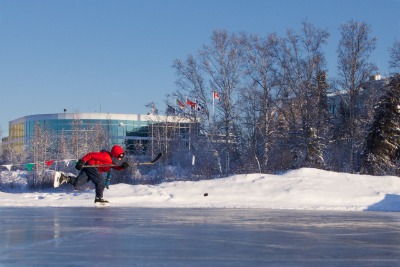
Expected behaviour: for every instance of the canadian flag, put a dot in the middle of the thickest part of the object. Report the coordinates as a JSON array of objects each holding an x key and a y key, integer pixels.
[
  {"x": 215, "y": 95},
  {"x": 191, "y": 103}
]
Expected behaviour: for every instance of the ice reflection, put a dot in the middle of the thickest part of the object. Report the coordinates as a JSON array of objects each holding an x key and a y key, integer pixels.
[
  {"x": 56, "y": 226},
  {"x": 197, "y": 237}
]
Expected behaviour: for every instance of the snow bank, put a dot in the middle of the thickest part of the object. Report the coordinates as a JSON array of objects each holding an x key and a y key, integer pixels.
[{"x": 306, "y": 189}]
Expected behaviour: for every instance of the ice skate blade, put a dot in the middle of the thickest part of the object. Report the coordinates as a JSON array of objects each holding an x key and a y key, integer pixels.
[
  {"x": 101, "y": 204},
  {"x": 57, "y": 176}
]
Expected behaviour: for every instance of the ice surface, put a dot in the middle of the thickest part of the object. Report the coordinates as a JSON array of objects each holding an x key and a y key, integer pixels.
[{"x": 83, "y": 236}]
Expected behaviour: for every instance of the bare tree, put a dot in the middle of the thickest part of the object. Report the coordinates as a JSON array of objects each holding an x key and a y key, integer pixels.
[
  {"x": 259, "y": 63},
  {"x": 300, "y": 59},
  {"x": 42, "y": 144},
  {"x": 11, "y": 154},
  {"x": 86, "y": 137},
  {"x": 191, "y": 82},
  {"x": 394, "y": 61},
  {"x": 354, "y": 69},
  {"x": 75, "y": 140},
  {"x": 100, "y": 137},
  {"x": 221, "y": 62},
  {"x": 216, "y": 69}
]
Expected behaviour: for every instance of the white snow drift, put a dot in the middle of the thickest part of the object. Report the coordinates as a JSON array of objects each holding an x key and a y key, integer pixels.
[{"x": 307, "y": 189}]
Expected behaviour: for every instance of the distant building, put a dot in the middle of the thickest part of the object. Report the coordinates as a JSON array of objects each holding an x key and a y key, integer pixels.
[
  {"x": 371, "y": 89},
  {"x": 125, "y": 129}
]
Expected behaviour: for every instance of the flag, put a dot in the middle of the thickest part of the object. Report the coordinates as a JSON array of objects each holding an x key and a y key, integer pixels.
[
  {"x": 215, "y": 95},
  {"x": 170, "y": 110},
  {"x": 29, "y": 166},
  {"x": 8, "y": 166},
  {"x": 180, "y": 104},
  {"x": 49, "y": 162},
  {"x": 191, "y": 104},
  {"x": 200, "y": 107}
]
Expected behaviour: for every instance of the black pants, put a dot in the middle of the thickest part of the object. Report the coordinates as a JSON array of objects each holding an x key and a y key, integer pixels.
[{"x": 90, "y": 174}]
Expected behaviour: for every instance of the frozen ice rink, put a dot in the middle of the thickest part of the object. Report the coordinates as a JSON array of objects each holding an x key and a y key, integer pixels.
[{"x": 196, "y": 237}]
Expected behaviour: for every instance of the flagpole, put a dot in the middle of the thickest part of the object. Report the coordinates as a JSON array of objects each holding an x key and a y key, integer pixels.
[
  {"x": 190, "y": 125},
  {"x": 186, "y": 103},
  {"x": 213, "y": 100}
]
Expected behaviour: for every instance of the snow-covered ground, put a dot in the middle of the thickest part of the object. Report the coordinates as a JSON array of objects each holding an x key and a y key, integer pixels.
[{"x": 303, "y": 189}]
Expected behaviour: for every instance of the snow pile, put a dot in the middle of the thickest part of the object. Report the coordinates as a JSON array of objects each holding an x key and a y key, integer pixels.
[
  {"x": 13, "y": 181},
  {"x": 307, "y": 189}
]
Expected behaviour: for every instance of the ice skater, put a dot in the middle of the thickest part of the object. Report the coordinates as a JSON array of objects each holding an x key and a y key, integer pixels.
[{"x": 99, "y": 161}]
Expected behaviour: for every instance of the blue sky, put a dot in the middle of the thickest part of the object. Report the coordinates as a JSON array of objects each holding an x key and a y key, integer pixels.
[{"x": 116, "y": 56}]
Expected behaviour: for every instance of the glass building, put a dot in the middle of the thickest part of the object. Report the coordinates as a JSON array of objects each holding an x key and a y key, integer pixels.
[{"x": 126, "y": 130}]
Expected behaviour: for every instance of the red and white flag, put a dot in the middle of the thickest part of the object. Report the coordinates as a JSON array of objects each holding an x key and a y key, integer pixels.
[
  {"x": 215, "y": 95},
  {"x": 191, "y": 103}
]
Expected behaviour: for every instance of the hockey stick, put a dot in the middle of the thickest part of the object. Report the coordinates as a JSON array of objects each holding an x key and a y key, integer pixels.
[
  {"x": 151, "y": 162},
  {"x": 116, "y": 165}
]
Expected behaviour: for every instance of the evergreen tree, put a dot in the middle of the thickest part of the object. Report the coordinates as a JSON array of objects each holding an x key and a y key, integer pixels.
[
  {"x": 381, "y": 153},
  {"x": 319, "y": 125},
  {"x": 322, "y": 100}
]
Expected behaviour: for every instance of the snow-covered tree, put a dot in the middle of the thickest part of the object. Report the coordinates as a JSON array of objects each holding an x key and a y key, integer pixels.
[
  {"x": 192, "y": 81},
  {"x": 354, "y": 69},
  {"x": 257, "y": 104},
  {"x": 382, "y": 149},
  {"x": 300, "y": 59},
  {"x": 221, "y": 62},
  {"x": 394, "y": 61},
  {"x": 319, "y": 125},
  {"x": 215, "y": 69},
  {"x": 42, "y": 148}
]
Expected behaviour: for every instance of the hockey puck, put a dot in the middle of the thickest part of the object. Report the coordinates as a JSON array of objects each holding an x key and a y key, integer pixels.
[{"x": 205, "y": 194}]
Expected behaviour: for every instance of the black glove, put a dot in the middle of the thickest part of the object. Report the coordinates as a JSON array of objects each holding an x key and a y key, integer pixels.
[
  {"x": 79, "y": 165},
  {"x": 125, "y": 165}
]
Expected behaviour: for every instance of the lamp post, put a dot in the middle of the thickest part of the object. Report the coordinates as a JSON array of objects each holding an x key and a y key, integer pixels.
[{"x": 123, "y": 133}]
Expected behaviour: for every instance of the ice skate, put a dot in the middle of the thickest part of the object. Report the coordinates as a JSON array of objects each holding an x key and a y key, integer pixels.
[
  {"x": 99, "y": 202},
  {"x": 60, "y": 178}
]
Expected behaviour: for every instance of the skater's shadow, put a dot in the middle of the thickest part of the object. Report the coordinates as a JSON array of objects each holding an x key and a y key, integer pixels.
[{"x": 389, "y": 203}]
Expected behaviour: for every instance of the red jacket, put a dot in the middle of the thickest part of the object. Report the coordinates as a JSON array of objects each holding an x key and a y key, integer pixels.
[{"x": 104, "y": 158}]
